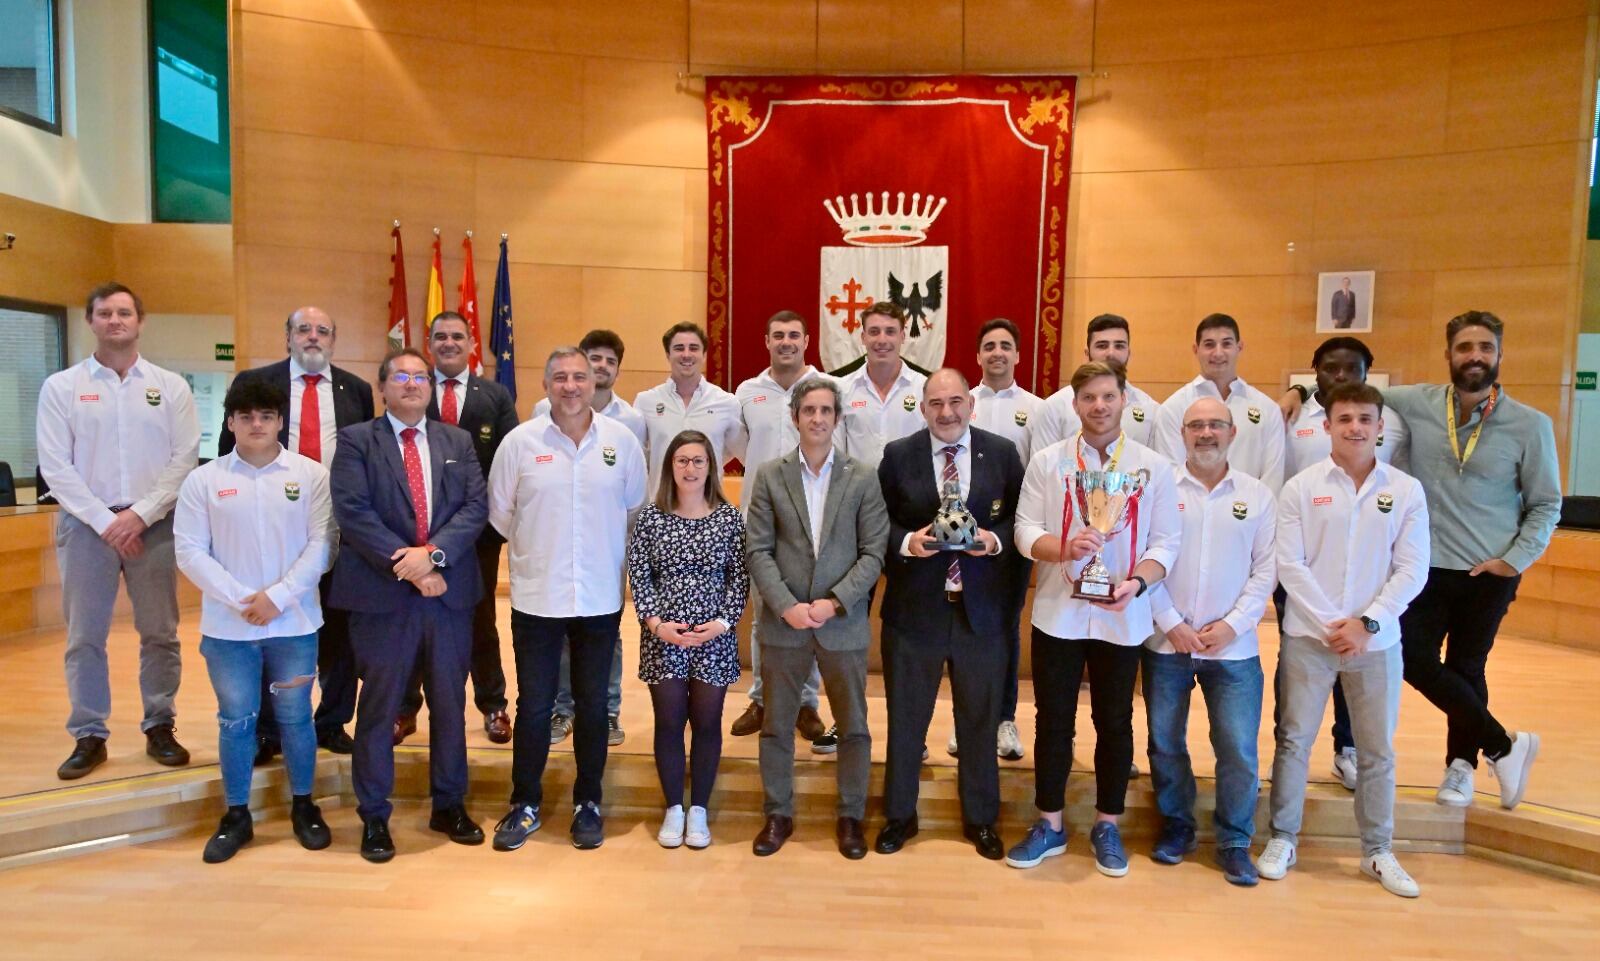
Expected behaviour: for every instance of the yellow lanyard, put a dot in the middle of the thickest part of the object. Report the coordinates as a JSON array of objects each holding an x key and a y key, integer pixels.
[
  {"x": 1122, "y": 445},
  {"x": 1450, "y": 420}
]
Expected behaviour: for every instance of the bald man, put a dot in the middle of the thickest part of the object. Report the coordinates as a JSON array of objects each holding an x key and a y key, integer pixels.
[{"x": 322, "y": 399}]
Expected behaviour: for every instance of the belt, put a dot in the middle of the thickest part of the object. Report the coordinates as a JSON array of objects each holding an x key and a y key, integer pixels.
[{"x": 953, "y": 597}]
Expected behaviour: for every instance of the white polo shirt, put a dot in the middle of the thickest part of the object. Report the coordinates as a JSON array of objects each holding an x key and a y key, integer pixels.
[
  {"x": 1051, "y": 474},
  {"x": 1010, "y": 413},
  {"x": 615, "y": 409},
  {"x": 1257, "y": 448},
  {"x": 1228, "y": 566},
  {"x": 711, "y": 410},
  {"x": 1057, "y": 420},
  {"x": 1306, "y": 441},
  {"x": 1344, "y": 552},
  {"x": 106, "y": 441},
  {"x": 564, "y": 509},
  {"x": 871, "y": 420},
  {"x": 240, "y": 529},
  {"x": 768, "y": 428}
]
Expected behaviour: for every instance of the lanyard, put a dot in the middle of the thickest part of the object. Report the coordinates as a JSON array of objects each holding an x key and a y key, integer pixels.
[
  {"x": 1122, "y": 445},
  {"x": 1450, "y": 420}
]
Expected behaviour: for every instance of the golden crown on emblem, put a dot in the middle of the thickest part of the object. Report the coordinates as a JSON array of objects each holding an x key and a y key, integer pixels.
[{"x": 879, "y": 226}]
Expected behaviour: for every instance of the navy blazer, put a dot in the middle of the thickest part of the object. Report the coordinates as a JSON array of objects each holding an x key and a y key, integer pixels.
[
  {"x": 372, "y": 506},
  {"x": 352, "y": 399},
  {"x": 916, "y": 584}
]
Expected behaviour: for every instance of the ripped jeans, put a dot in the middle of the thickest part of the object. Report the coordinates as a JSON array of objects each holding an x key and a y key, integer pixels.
[{"x": 236, "y": 671}]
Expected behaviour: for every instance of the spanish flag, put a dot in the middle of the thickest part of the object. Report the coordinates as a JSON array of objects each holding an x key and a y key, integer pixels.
[{"x": 435, "y": 292}]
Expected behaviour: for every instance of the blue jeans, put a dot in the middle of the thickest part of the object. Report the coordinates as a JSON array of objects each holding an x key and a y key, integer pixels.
[
  {"x": 1232, "y": 692},
  {"x": 236, "y": 671}
]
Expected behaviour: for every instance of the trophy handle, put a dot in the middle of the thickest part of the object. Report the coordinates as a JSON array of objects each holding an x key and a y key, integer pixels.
[{"x": 1143, "y": 476}]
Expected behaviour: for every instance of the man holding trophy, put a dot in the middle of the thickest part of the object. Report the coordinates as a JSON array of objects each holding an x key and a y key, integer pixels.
[
  {"x": 1098, "y": 514},
  {"x": 951, "y": 490}
]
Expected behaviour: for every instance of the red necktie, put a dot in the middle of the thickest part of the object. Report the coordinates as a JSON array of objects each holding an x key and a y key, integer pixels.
[
  {"x": 953, "y": 575},
  {"x": 419, "y": 491},
  {"x": 447, "y": 410},
  {"x": 311, "y": 419}
]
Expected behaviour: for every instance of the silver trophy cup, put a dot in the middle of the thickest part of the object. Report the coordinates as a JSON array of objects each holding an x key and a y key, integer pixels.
[{"x": 1103, "y": 499}]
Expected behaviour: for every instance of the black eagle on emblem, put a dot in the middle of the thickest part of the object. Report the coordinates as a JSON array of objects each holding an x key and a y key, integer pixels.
[{"x": 915, "y": 302}]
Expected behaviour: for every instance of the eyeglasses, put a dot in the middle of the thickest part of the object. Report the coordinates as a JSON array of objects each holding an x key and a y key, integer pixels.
[
  {"x": 1197, "y": 426},
  {"x": 322, "y": 331},
  {"x": 400, "y": 378},
  {"x": 698, "y": 463}
]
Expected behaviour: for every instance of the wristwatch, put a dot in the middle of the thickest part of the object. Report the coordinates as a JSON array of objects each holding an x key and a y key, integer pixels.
[
  {"x": 1144, "y": 585},
  {"x": 436, "y": 555},
  {"x": 1370, "y": 624}
]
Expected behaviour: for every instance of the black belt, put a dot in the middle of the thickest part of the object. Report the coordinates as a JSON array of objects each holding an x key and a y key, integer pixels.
[{"x": 953, "y": 597}]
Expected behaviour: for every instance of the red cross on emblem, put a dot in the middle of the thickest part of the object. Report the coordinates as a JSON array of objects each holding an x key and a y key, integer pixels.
[{"x": 849, "y": 305}]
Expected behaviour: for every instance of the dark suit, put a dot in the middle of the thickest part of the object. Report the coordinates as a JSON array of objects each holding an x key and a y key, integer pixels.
[
  {"x": 487, "y": 413},
  {"x": 392, "y": 626},
  {"x": 926, "y": 627},
  {"x": 1343, "y": 308},
  {"x": 336, "y": 673}
]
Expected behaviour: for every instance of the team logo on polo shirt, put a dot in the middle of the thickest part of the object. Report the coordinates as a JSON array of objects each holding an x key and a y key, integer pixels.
[
  {"x": 1241, "y": 510},
  {"x": 1385, "y": 503},
  {"x": 1380, "y": 440},
  {"x": 910, "y": 403},
  {"x": 661, "y": 409},
  {"x": 609, "y": 455},
  {"x": 485, "y": 431},
  {"x": 995, "y": 508},
  {"x": 1254, "y": 413},
  {"x": 1021, "y": 418},
  {"x": 291, "y": 490},
  {"x": 152, "y": 396},
  {"x": 1138, "y": 415}
]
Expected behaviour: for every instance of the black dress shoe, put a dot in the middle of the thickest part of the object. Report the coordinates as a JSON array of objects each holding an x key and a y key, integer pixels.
[
  {"x": 453, "y": 821},
  {"x": 235, "y": 831},
  {"x": 895, "y": 834},
  {"x": 986, "y": 839},
  {"x": 376, "y": 844},
  {"x": 773, "y": 834},
  {"x": 852, "y": 843},
  {"x": 266, "y": 750},
  {"x": 89, "y": 754},
  {"x": 162, "y": 744},
  {"x": 336, "y": 740},
  {"x": 309, "y": 827}
]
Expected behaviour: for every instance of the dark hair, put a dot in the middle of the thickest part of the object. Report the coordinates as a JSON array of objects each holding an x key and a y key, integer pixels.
[
  {"x": 785, "y": 317},
  {"x": 106, "y": 290},
  {"x": 252, "y": 395},
  {"x": 448, "y": 315},
  {"x": 1213, "y": 321},
  {"x": 667, "y": 493},
  {"x": 810, "y": 385},
  {"x": 1098, "y": 368},
  {"x": 682, "y": 327},
  {"x": 1341, "y": 343},
  {"x": 885, "y": 308},
  {"x": 1354, "y": 393},
  {"x": 600, "y": 337},
  {"x": 1473, "y": 318},
  {"x": 1000, "y": 323},
  {"x": 393, "y": 355},
  {"x": 1106, "y": 322}
]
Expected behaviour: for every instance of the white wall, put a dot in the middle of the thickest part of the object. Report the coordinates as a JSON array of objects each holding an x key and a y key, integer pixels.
[{"x": 99, "y": 165}]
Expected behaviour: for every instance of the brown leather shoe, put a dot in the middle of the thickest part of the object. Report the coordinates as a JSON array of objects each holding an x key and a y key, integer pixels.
[
  {"x": 852, "y": 843},
  {"x": 496, "y": 724},
  {"x": 773, "y": 834},
  {"x": 404, "y": 726},
  {"x": 749, "y": 722},
  {"x": 809, "y": 724}
]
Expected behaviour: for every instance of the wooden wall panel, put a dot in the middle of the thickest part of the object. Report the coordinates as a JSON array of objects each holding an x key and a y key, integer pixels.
[
  {"x": 58, "y": 255},
  {"x": 445, "y": 19},
  {"x": 631, "y": 29},
  {"x": 295, "y": 76},
  {"x": 778, "y": 34},
  {"x": 889, "y": 36},
  {"x": 1143, "y": 117},
  {"x": 1517, "y": 86},
  {"x": 1008, "y": 35},
  {"x": 637, "y": 112},
  {"x": 177, "y": 268}
]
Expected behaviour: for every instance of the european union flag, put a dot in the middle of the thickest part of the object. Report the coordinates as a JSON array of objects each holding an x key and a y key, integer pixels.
[{"x": 500, "y": 337}]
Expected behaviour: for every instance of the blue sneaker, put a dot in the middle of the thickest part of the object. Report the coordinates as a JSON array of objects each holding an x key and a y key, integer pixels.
[
  {"x": 1237, "y": 867},
  {"x": 513, "y": 830},
  {"x": 588, "y": 827},
  {"x": 1108, "y": 854},
  {"x": 1176, "y": 840},
  {"x": 1041, "y": 842}
]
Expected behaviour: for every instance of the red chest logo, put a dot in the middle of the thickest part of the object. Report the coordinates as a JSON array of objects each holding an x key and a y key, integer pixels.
[
  {"x": 1321, "y": 501},
  {"x": 1304, "y": 432},
  {"x": 89, "y": 398},
  {"x": 858, "y": 403},
  {"x": 227, "y": 493},
  {"x": 544, "y": 458},
  {"x": 760, "y": 400}
]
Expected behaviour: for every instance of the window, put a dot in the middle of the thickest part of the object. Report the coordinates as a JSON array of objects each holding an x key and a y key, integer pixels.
[
  {"x": 35, "y": 336},
  {"x": 29, "y": 63},
  {"x": 191, "y": 176}
]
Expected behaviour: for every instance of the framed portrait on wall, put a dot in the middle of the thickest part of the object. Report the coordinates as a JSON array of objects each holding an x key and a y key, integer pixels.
[{"x": 1344, "y": 302}]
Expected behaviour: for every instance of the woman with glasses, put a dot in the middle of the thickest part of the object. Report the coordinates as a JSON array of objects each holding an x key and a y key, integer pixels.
[{"x": 686, "y": 565}]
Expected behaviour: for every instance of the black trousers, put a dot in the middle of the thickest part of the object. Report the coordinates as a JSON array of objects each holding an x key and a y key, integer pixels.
[
  {"x": 488, "y": 674},
  {"x": 537, "y": 642},
  {"x": 1058, "y": 668},
  {"x": 1021, "y": 574},
  {"x": 913, "y": 666},
  {"x": 1467, "y": 610},
  {"x": 1342, "y": 738},
  {"x": 336, "y": 675}
]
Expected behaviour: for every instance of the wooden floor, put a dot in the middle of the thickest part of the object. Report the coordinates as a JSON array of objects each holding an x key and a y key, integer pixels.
[
  {"x": 1549, "y": 689},
  {"x": 632, "y": 899}
]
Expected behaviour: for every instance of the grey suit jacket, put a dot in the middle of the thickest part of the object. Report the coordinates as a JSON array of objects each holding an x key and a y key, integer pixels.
[{"x": 787, "y": 571}]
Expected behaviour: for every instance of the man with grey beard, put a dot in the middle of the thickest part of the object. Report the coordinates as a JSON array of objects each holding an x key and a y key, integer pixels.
[{"x": 322, "y": 400}]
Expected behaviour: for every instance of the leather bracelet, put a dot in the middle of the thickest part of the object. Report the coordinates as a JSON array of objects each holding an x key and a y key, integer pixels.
[{"x": 1144, "y": 585}]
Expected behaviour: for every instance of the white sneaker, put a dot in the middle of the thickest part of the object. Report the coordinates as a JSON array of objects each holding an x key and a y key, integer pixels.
[
  {"x": 671, "y": 833},
  {"x": 1344, "y": 768},
  {"x": 1512, "y": 770},
  {"x": 1390, "y": 874},
  {"x": 1008, "y": 742},
  {"x": 1276, "y": 860},
  {"x": 698, "y": 833},
  {"x": 1456, "y": 788},
  {"x": 951, "y": 747}
]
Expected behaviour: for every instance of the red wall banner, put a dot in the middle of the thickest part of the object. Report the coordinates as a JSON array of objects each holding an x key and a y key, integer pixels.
[{"x": 947, "y": 195}]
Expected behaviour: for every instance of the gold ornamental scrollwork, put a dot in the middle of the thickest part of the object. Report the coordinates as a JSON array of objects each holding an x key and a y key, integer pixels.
[
  {"x": 1049, "y": 104},
  {"x": 889, "y": 90},
  {"x": 728, "y": 106}
]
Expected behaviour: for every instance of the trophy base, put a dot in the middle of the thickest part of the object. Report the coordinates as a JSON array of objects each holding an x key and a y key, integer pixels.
[
  {"x": 1098, "y": 591},
  {"x": 941, "y": 546}
]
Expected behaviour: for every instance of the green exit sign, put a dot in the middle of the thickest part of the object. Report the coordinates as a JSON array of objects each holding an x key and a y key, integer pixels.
[
  {"x": 1586, "y": 379},
  {"x": 224, "y": 351}
]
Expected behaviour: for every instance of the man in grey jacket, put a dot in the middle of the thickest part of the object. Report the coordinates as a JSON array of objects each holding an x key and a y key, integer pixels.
[{"x": 816, "y": 535}]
